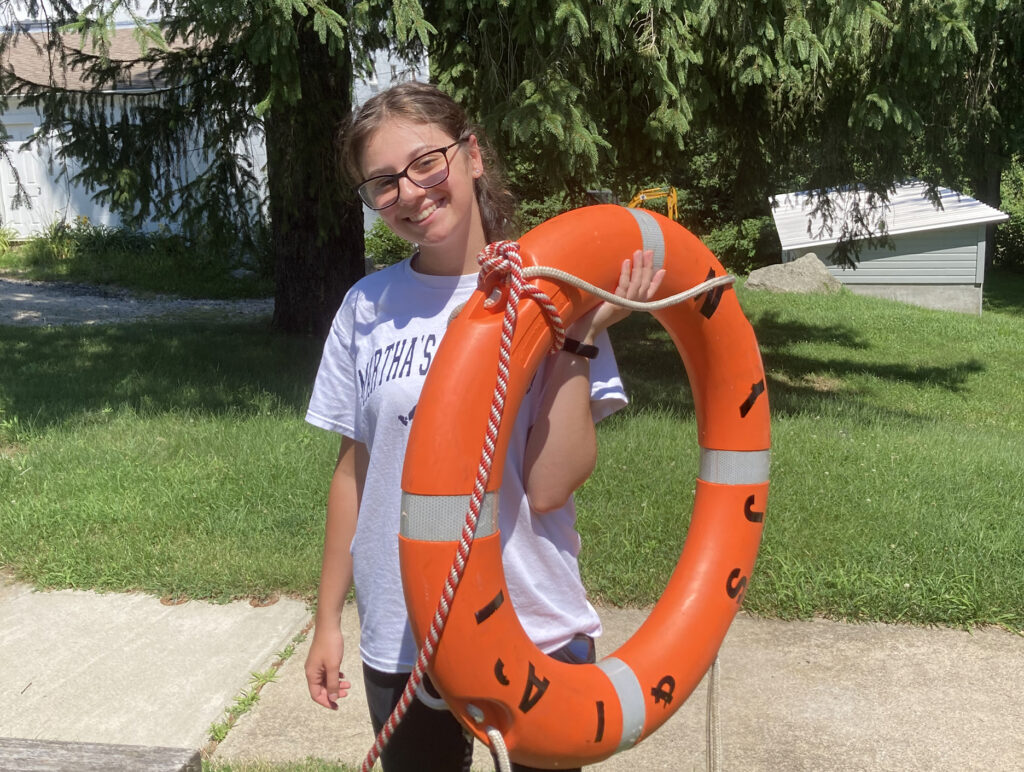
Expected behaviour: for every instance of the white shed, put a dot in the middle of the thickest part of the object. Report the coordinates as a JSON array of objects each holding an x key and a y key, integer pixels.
[{"x": 936, "y": 257}]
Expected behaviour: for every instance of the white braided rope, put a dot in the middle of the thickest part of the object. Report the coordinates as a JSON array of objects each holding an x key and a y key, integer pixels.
[
  {"x": 498, "y": 749},
  {"x": 713, "y": 721},
  {"x": 635, "y": 305}
]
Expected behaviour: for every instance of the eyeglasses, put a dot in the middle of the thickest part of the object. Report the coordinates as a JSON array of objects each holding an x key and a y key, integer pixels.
[{"x": 424, "y": 171}]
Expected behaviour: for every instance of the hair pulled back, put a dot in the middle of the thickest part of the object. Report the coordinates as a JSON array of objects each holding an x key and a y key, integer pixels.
[{"x": 426, "y": 104}]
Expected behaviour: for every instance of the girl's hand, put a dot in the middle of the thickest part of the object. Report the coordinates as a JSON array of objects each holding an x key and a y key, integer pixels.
[
  {"x": 637, "y": 281},
  {"x": 324, "y": 678}
]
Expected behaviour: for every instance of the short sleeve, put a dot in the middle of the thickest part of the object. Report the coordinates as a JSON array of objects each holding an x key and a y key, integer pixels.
[
  {"x": 607, "y": 394},
  {"x": 333, "y": 403}
]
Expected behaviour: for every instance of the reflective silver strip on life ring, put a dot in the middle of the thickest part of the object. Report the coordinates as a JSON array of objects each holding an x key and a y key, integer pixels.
[
  {"x": 631, "y": 699},
  {"x": 651, "y": 234},
  {"x": 734, "y": 467},
  {"x": 441, "y": 518}
]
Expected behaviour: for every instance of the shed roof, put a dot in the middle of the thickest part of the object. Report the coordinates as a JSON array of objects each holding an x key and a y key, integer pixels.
[
  {"x": 28, "y": 58},
  {"x": 908, "y": 210}
]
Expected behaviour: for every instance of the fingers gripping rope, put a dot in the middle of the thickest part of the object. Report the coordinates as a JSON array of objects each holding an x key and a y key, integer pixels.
[{"x": 500, "y": 262}]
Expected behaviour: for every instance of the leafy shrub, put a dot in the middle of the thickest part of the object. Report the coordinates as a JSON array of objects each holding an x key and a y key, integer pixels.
[
  {"x": 52, "y": 248},
  {"x": 532, "y": 212},
  {"x": 745, "y": 246},
  {"x": 1009, "y": 251},
  {"x": 151, "y": 261},
  {"x": 384, "y": 247},
  {"x": 7, "y": 238}
]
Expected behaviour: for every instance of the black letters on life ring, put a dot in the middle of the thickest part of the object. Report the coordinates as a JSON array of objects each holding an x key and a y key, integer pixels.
[
  {"x": 664, "y": 690},
  {"x": 712, "y": 297},
  {"x": 756, "y": 391},
  {"x": 736, "y": 589},
  {"x": 600, "y": 722},
  {"x": 490, "y": 608},
  {"x": 750, "y": 513},
  {"x": 499, "y": 672},
  {"x": 535, "y": 688}
]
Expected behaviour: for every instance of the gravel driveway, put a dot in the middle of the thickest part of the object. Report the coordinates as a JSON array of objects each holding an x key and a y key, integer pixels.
[{"x": 27, "y": 303}]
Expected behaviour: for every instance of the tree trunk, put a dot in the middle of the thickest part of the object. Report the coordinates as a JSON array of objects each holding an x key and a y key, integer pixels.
[
  {"x": 316, "y": 220},
  {"x": 987, "y": 189}
]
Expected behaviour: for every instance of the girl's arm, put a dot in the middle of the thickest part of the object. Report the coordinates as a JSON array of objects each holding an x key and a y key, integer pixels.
[
  {"x": 323, "y": 664},
  {"x": 561, "y": 450}
]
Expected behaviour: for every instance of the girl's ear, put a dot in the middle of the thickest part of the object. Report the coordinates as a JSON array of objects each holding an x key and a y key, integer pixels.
[{"x": 475, "y": 156}]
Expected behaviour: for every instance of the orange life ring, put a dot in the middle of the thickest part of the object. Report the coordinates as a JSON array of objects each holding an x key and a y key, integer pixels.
[{"x": 489, "y": 672}]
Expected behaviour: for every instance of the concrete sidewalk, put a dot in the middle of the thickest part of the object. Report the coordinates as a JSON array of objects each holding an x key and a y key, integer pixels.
[
  {"x": 126, "y": 669},
  {"x": 812, "y": 695},
  {"x": 793, "y": 695}
]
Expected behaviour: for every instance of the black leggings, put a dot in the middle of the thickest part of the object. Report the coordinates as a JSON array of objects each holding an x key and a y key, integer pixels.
[{"x": 429, "y": 739}]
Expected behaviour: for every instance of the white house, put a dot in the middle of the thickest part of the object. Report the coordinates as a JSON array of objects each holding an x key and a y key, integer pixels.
[
  {"x": 38, "y": 167},
  {"x": 936, "y": 255}
]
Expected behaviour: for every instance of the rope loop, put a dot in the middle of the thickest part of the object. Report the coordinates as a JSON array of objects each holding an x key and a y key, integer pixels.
[
  {"x": 498, "y": 750},
  {"x": 502, "y": 276}
]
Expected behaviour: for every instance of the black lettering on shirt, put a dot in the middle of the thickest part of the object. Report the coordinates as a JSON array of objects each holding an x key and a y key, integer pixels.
[
  {"x": 396, "y": 358},
  {"x": 429, "y": 344},
  {"x": 406, "y": 370}
]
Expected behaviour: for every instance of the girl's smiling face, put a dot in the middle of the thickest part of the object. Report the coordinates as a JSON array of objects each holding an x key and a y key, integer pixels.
[{"x": 437, "y": 217}]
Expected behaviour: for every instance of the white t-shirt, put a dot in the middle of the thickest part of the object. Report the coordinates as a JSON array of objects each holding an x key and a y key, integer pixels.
[{"x": 375, "y": 360}]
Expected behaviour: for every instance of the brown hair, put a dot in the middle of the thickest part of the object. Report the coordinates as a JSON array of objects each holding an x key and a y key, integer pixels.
[{"x": 426, "y": 104}]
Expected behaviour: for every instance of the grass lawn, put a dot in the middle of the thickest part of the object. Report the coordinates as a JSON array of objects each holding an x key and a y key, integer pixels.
[
  {"x": 172, "y": 458},
  {"x": 311, "y": 765},
  {"x": 897, "y": 491}
]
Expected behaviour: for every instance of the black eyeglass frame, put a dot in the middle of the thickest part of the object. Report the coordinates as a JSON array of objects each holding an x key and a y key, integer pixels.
[{"x": 405, "y": 173}]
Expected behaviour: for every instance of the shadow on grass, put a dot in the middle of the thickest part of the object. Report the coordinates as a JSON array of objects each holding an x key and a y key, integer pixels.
[
  {"x": 797, "y": 382},
  {"x": 1004, "y": 292},
  {"x": 650, "y": 366},
  {"x": 52, "y": 375}
]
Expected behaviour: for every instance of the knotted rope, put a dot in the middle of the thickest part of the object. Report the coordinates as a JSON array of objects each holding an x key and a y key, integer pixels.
[{"x": 500, "y": 263}]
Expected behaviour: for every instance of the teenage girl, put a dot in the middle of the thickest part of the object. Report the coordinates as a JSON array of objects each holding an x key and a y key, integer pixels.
[{"x": 419, "y": 163}]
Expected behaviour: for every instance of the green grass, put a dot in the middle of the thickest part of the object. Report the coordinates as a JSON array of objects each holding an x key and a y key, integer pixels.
[
  {"x": 172, "y": 458},
  {"x": 144, "y": 262},
  {"x": 169, "y": 458},
  {"x": 310, "y": 765},
  {"x": 896, "y": 486}
]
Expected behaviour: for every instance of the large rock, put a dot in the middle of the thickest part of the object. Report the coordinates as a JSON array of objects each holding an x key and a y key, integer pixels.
[{"x": 805, "y": 274}]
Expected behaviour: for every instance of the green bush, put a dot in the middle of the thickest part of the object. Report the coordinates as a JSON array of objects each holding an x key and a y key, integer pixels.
[
  {"x": 384, "y": 247},
  {"x": 7, "y": 238},
  {"x": 745, "y": 246},
  {"x": 52, "y": 248},
  {"x": 532, "y": 212},
  {"x": 1009, "y": 252}
]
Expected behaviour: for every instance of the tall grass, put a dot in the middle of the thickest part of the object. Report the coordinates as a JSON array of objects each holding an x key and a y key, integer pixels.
[
  {"x": 172, "y": 457},
  {"x": 158, "y": 261}
]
